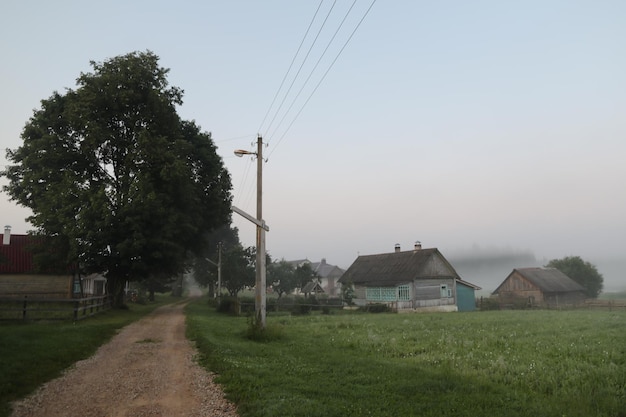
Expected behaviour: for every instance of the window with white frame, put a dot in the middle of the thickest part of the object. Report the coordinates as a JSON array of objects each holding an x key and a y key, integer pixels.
[
  {"x": 401, "y": 293},
  {"x": 404, "y": 293}
]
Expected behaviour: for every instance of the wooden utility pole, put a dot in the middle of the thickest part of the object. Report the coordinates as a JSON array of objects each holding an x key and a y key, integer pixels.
[
  {"x": 260, "y": 296},
  {"x": 261, "y": 227}
]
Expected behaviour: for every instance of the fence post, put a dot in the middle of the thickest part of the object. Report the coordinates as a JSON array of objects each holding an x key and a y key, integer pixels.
[
  {"x": 24, "y": 308},
  {"x": 76, "y": 310}
]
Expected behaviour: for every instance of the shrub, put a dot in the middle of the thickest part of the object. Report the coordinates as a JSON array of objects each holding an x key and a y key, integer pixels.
[
  {"x": 229, "y": 305},
  {"x": 247, "y": 305},
  {"x": 270, "y": 333},
  {"x": 377, "y": 308},
  {"x": 488, "y": 303},
  {"x": 301, "y": 307}
]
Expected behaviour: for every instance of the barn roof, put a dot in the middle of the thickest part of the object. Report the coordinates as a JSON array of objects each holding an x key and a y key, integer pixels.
[
  {"x": 548, "y": 280},
  {"x": 389, "y": 269},
  {"x": 16, "y": 257}
]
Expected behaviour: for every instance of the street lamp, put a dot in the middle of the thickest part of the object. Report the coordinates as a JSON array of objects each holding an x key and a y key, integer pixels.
[{"x": 259, "y": 299}]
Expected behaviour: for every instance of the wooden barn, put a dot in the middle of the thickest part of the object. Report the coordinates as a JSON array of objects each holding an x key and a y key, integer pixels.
[
  {"x": 547, "y": 287},
  {"x": 18, "y": 277},
  {"x": 415, "y": 280}
]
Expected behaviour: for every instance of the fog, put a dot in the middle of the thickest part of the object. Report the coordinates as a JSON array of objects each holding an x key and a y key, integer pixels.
[{"x": 488, "y": 268}]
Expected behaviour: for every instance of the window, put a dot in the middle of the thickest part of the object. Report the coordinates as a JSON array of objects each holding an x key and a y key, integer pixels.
[
  {"x": 77, "y": 289},
  {"x": 445, "y": 291},
  {"x": 403, "y": 293}
]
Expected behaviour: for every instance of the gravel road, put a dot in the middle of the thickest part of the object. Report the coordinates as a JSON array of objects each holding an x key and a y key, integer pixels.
[{"x": 147, "y": 369}]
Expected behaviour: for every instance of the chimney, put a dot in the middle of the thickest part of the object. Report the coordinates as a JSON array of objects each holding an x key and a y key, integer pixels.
[
  {"x": 6, "y": 239},
  {"x": 397, "y": 247},
  {"x": 418, "y": 245}
]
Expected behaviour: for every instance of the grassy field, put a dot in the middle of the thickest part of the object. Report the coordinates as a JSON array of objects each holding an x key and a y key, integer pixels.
[
  {"x": 500, "y": 363},
  {"x": 32, "y": 353}
]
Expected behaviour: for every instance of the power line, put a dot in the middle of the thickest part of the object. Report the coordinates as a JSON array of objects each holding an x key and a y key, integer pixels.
[
  {"x": 248, "y": 191},
  {"x": 323, "y": 77},
  {"x": 314, "y": 68},
  {"x": 291, "y": 65},
  {"x": 301, "y": 65}
]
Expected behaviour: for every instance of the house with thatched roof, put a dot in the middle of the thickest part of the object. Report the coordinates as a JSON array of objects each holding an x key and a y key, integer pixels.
[
  {"x": 415, "y": 280},
  {"x": 546, "y": 287}
]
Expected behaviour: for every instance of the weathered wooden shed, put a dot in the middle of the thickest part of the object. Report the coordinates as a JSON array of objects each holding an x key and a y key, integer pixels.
[
  {"x": 547, "y": 287},
  {"x": 415, "y": 280}
]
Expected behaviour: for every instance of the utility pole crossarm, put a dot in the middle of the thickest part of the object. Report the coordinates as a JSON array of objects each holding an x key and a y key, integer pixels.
[{"x": 251, "y": 218}]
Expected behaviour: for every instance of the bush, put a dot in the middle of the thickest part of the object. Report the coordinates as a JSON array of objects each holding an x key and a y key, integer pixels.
[
  {"x": 269, "y": 334},
  {"x": 488, "y": 303},
  {"x": 213, "y": 302},
  {"x": 229, "y": 305},
  {"x": 377, "y": 308},
  {"x": 247, "y": 305},
  {"x": 301, "y": 307}
]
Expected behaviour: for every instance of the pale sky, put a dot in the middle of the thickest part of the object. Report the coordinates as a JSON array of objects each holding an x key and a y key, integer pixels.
[{"x": 460, "y": 124}]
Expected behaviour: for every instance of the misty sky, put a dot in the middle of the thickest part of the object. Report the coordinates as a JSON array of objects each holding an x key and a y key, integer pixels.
[{"x": 460, "y": 124}]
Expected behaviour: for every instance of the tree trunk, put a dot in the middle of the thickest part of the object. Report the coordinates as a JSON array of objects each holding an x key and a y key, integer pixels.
[
  {"x": 211, "y": 293},
  {"x": 115, "y": 288},
  {"x": 177, "y": 291}
]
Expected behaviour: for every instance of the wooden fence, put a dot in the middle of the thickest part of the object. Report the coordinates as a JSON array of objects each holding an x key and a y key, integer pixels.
[
  {"x": 32, "y": 308},
  {"x": 611, "y": 305}
]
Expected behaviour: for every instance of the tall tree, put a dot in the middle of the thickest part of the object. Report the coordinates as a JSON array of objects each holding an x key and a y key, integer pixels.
[
  {"x": 305, "y": 274},
  {"x": 204, "y": 266},
  {"x": 238, "y": 269},
  {"x": 584, "y": 273},
  {"x": 111, "y": 169},
  {"x": 282, "y": 277}
]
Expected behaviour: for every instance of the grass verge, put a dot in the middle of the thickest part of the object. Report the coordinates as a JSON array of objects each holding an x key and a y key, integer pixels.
[
  {"x": 32, "y": 353},
  {"x": 513, "y": 363}
]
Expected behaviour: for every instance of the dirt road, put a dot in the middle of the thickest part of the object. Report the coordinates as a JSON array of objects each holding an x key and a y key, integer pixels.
[{"x": 147, "y": 369}]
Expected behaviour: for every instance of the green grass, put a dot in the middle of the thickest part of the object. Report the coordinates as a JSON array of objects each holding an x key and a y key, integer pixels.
[
  {"x": 33, "y": 353},
  {"x": 500, "y": 363}
]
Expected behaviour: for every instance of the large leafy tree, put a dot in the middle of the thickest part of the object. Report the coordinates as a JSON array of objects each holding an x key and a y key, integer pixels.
[
  {"x": 305, "y": 274},
  {"x": 238, "y": 269},
  {"x": 205, "y": 270},
  {"x": 113, "y": 171},
  {"x": 584, "y": 273},
  {"x": 282, "y": 277}
]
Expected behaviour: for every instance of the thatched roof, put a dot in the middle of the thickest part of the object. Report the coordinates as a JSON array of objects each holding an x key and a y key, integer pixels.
[{"x": 390, "y": 269}]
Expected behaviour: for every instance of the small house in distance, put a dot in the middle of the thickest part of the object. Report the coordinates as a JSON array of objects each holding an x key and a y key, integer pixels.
[
  {"x": 547, "y": 287},
  {"x": 328, "y": 276},
  {"x": 415, "y": 280}
]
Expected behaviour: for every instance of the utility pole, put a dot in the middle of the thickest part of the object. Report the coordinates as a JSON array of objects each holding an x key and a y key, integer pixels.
[
  {"x": 261, "y": 227},
  {"x": 260, "y": 301},
  {"x": 219, "y": 269}
]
